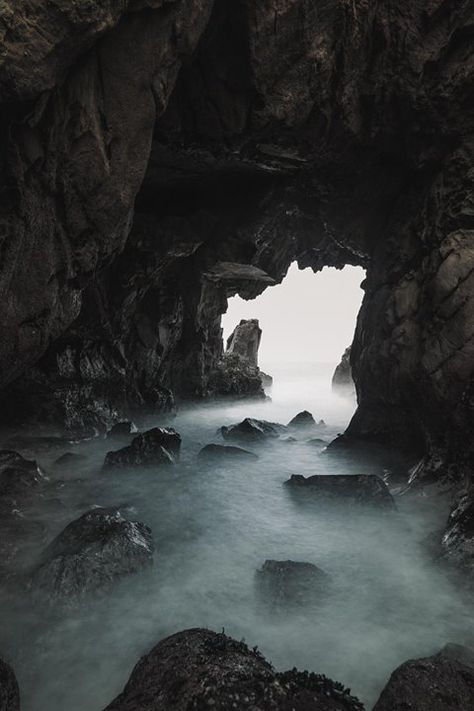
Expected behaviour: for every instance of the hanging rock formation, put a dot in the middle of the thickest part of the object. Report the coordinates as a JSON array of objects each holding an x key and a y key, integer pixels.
[{"x": 158, "y": 157}]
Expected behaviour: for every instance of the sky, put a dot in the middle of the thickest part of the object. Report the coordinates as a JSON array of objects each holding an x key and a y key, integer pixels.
[{"x": 307, "y": 318}]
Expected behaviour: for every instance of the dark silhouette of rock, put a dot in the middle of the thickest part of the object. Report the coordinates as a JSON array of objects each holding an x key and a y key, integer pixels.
[
  {"x": 438, "y": 683},
  {"x": 252, "y": 430},
  {"x": 159, "y": 446},
  {"x": 122, "y": 429},
  {"x": 286, "y": 583},
  {"x": 225, "y": 453},
  {"x": 342, "y": 380},
  {"x": 18, "y": 476},
  {"x": 244, "y": 342},
  {"x": 90, "y": 555},
  {"x": 456, "y": 545},
  {"x": 365, "y": 489},
  {"x": 302, "y": 419},
  {"x": 9, "y": 691},
  {"x": 199, "y": 669}
]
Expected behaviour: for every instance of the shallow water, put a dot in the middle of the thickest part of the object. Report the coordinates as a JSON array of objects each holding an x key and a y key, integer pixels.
[{"x": 213, "y": 527}]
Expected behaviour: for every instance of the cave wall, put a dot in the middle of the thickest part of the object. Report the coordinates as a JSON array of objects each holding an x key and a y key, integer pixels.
[{"x": 163, "y": 144}]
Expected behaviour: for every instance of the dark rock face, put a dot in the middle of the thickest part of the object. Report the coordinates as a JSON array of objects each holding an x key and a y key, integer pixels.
[
  {"x": 122, "y": 429},
  {"x": 244, "y": 342},
  {"x": 286, "y": 584},
  {"x": 251, "y": 430},
  {"x": 366, "y": 489},
  {"x": 437, "y": 683},
  {"x": 457, "y": 544},
  {"x": 90, "y": 555},
  {"x": 159, "y": 446},
  {"x": 225, "y": 453},
  {"x": 199, "y": 669},
  {"x": 9, "y": 692},
  {"x": 342, "y": 380},
  {"x": 237, "y": 374},
  {"x": 18, "y": 476},
  {"x": 302, "y": 419}
]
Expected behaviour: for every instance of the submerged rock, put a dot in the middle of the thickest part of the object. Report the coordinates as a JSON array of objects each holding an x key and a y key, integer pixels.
[
  {"x": 159, "y": 446},
  {"x": 9, "y": 691},
  {"x": 302, "y": 419},
  {"x": 357, "y": 488},
  {"x": 122, "y": 429},
  {"x": 287, "y": 583},
  {"x": 91, "y": 554},
  {"x": 437, "y": 683},
  {"x": 199, "y": 669},
  {"x": 220, "y": 452},
  {"x": 253, "y": 430},
  {"x": 342, "y": 379}
]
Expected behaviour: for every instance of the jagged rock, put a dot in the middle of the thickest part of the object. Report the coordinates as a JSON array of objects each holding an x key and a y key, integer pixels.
[
  {"x": 342, "y": 380},
  {"x": 302, "y": 419},
  {"x": 199, "y": 669},
  {"x": 90, "y": 555},
  {"x": 438, "y": 683},
  {"x": 18, "y": 476},
  {"x": 122, "y": 429},
  {"x": 456, "y": 545},
  {"x": 9, "y": 691},
  {"x": 223, "y": 453},
  {"x": 286, "y": 583},
  {"x": 365, "y": 489},
  {"x": 234, "y": 377},
  {"x": 159, "y": 446},
  {"x": 244, "y": 342},
  {"x": 252, "y": 430}
]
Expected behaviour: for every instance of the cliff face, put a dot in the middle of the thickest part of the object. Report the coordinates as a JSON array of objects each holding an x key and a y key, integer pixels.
[{"x": 161, "y": 156}]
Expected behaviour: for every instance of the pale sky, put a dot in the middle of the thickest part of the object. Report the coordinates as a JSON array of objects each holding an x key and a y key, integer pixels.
[{"x": 307, "y": 318}]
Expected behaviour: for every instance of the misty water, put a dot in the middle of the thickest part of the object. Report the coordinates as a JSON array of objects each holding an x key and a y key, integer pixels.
[{"x": 213, "y": 527}]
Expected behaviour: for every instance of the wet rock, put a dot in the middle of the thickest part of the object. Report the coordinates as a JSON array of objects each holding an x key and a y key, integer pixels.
[
  {"x": 358, "y": 489},
  {"x": 199, "y": 669},
  {"x": 122, "y": 429},
  {"x": 342, "y": 379},
  {"x": 437, "y": 683},
  {"x": 302, "y": 419},
  {"x": 234, "y": 377},
  {"x": 159, "y": 446},
  {"x": 9, "y": 691},
  {"x": 457, "y": 542},
  {"x": 252, "y": 430},
  {"x": 286, "y": 583},
  {"x": 18, "y": 476},
  {"x": 223, "y": 453},
  {"x": 90, "y": 555}
]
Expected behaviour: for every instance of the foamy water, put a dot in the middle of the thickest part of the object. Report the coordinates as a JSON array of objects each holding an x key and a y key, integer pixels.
[{"x": 213, "y": 527}]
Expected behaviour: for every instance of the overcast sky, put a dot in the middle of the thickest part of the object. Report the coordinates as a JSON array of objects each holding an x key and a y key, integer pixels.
[{"x": 307, "y": 318}]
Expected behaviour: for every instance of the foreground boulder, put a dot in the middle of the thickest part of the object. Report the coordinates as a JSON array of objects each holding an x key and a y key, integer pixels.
[
  {"x": 225, "y": 453},
  {"x": 302, "y": 419},
  {"x": 9, "y": 692},
  {"x": 91, "y": 554},
  {"x": 251, "y": 430},
  {"x": 357, "y": 488},
  {"x": 199, "y": 669},
  {"x": 159, "y": 446},
  {"x": 18, "y": 476},
  {"x": 437, "y": 683},
  {"x": 287, "y": 583}
]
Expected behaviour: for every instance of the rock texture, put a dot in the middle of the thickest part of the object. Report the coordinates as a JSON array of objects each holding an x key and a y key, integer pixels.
[
  {"x": 342, "y": 379},
  {"x": 158, "y": 157},
  {"x": 237, "y": 374},
  {"x": 90, "y": 555},
  {"x": 302, "y": 420},
  {"x": 287, "y": 584},
  {"x": 9, "y": 692},
  {"x": 199, "y": 669},
  {"x": 366, "y": 489},
  {"x": 159, "y": 446},
  {"x": 438, "y": 683},
  {"x": 251, "y": 430}
]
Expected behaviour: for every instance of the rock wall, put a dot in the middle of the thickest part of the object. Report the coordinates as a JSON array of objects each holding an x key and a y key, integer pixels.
[{"x": 147, "y": 146}]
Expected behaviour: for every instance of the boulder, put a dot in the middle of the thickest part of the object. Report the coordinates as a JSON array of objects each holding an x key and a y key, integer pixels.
[
  {"x": 159, "y": 446},
  {"x": 357, "y": 488},
  {"x": 342, "y": 379},
  {"x": 9, "y": 691},
  {"x": 90, "y": 555},
  {"x": 253, "y": 430},
  {"x": 225, "y": 453},
  {"x": 437, "y": 683},
  {"x": 287, "y": 583},
  {"x": 199, "y": 669},
  {"x": 122, "y": 429},
  {"x": 18, "y": 476},
  {"x": 302, "y": 419}
]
